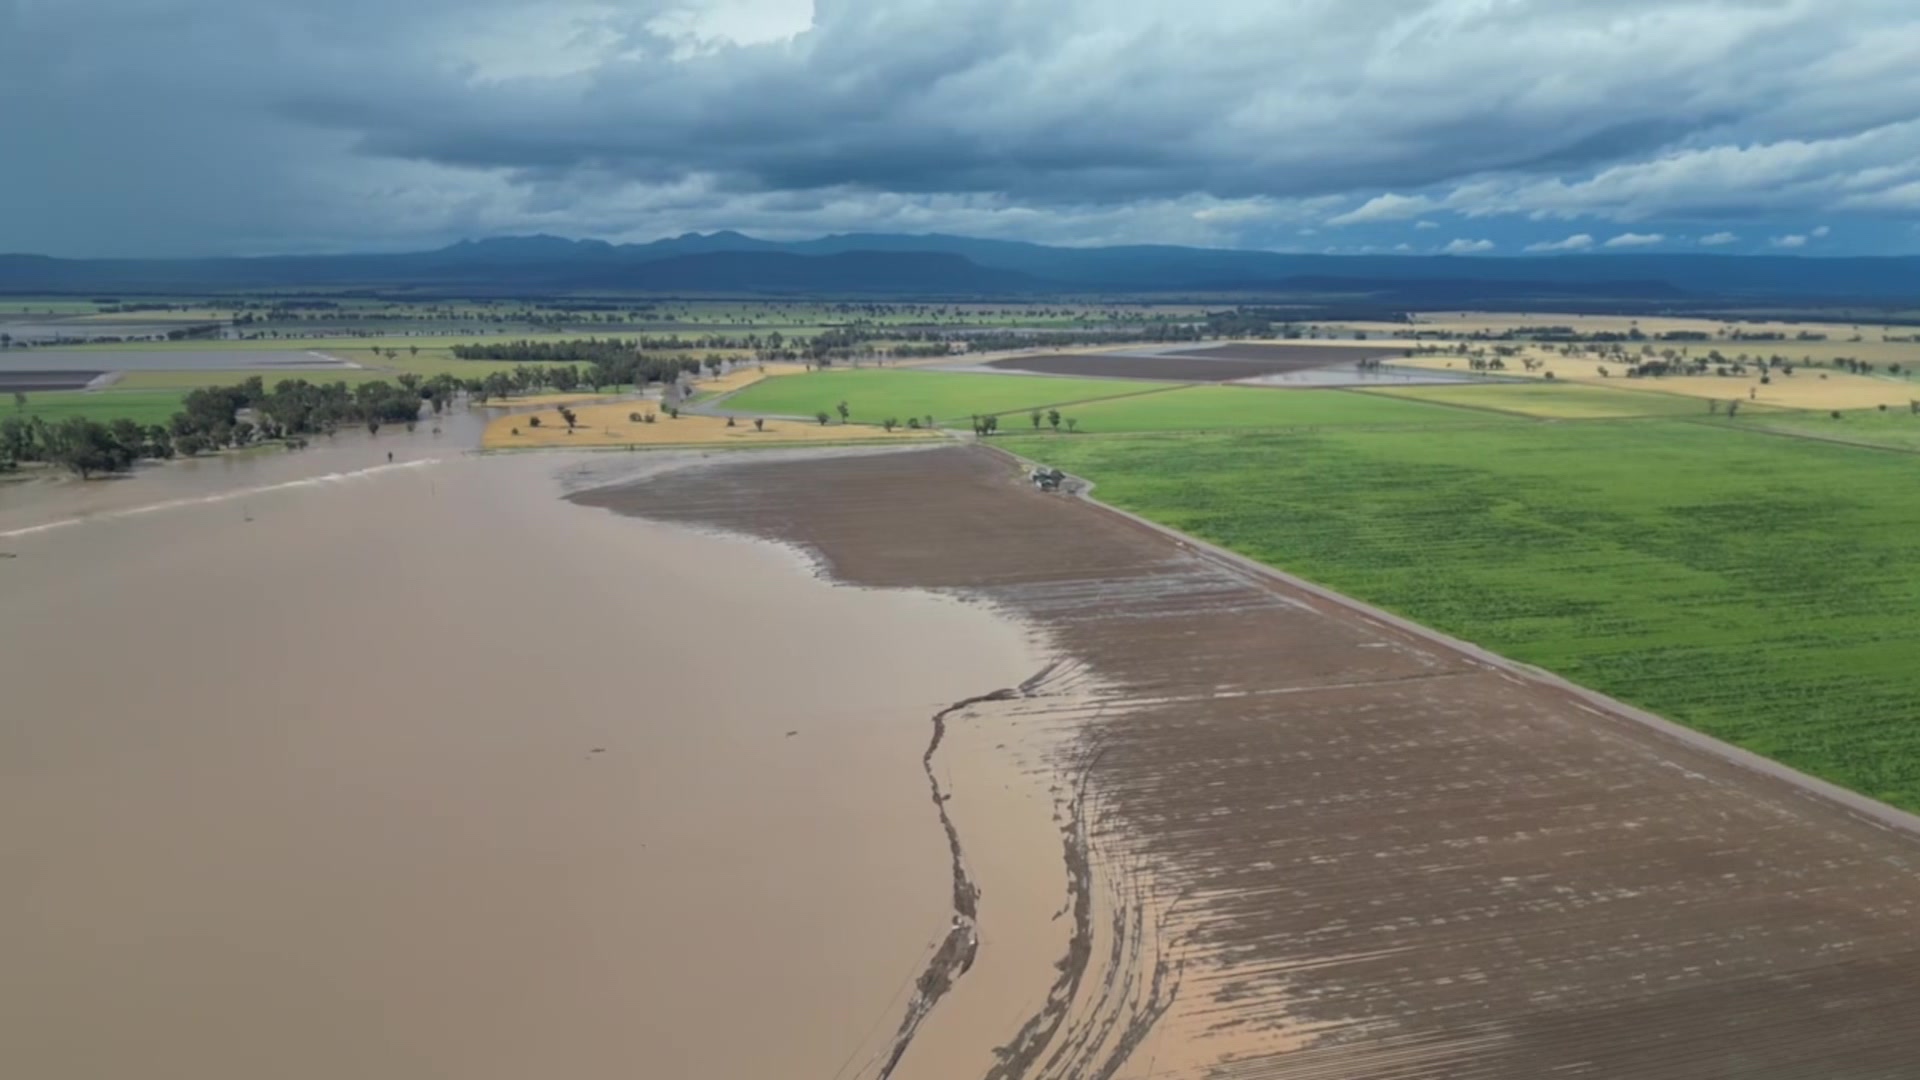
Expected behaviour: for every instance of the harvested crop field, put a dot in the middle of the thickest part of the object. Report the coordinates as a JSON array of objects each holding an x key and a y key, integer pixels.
[
  {"x": 1806, "y": 388},
  {"x": 615, "y": 425},
  {"x": 1303, "y": 842},
  {"x": 1223, "y": 363}
]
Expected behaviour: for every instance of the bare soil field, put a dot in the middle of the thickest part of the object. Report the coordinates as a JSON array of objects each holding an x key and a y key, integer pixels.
[
  {"x": 1223, "y": 363},
  {"x": 26, "y": 381},
  {"x": 1292, "y": 355},
  {"x": 1302, "y": 841}
]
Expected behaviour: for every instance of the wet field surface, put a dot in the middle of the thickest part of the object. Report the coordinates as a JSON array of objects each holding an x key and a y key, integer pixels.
[
  {"x": 12, "y": 380},
  {"x": 1300, "y": 843},
  {"x": 1222, "y": 364}
]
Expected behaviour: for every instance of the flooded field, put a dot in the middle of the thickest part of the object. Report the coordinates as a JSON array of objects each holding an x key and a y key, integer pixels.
[
  {"x": 320, "y": 765},
  {"x": 416, "y": 769}
]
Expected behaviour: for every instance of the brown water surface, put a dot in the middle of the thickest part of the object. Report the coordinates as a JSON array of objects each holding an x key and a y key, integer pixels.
[{"x": 334, "y": 769}]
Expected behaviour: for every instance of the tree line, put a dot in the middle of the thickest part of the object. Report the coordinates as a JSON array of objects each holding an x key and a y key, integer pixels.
[{"x": 222, "y": 417}]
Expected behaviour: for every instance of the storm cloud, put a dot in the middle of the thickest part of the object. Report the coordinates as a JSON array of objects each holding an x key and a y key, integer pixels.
[{"x": 185, "y": 126}]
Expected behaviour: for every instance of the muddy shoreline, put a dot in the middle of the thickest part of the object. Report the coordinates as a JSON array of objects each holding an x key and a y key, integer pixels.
[{"x": 1318, "y": 844}]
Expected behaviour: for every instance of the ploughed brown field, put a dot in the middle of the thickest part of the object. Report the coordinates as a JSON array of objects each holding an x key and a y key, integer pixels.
[
  {"x": 26, "y": 381},
  {"x": 1222, "y": 363},
  {"x": 1298, "y": 841}
]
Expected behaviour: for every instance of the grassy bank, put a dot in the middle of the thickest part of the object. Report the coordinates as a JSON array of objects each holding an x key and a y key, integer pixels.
[
  {"x": 1758, "y": 588},
  {"x": 53, "y": 406}
]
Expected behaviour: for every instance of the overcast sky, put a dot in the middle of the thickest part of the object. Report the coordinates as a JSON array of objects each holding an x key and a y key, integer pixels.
[{"x": 170, "y": 127}]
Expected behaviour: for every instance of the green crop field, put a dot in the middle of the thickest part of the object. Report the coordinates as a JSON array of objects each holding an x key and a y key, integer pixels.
[
  {"x": 141, "y": 406},
  {"x": 1895, "y": 429},
  {"x": 874, "y": 394},
  {"x": 1222, "y": 408},
  {"x": 1556, "y": 401},
  {"x": 1761, "y": 589}
]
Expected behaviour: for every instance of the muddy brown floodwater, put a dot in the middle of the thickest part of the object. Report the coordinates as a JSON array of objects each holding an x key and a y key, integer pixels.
[
  {"x": 1301, "y": 842},
  {"x": 421, "y": 771}
]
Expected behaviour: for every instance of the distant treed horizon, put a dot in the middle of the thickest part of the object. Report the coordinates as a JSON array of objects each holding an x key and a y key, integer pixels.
[{"x": 1536, "y": 127}]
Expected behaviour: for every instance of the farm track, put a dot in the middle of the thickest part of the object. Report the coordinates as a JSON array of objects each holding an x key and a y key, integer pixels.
[{"x": 1323, "y": 846}]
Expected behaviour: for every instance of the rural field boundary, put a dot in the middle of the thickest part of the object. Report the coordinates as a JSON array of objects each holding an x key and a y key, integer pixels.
[
  {"x": 1810, "y": 437},
  {"x": 1600, "y": 705}
]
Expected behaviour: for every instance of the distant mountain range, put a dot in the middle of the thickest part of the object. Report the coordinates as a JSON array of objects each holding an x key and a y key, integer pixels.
[{"x": 936, "y": 266}]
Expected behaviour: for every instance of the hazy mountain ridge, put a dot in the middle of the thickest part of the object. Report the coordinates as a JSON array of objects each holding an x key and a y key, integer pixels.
[{"x": 941, "y": 265}]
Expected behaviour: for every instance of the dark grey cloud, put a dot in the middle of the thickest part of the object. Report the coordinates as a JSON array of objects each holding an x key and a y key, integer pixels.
[{"x": 214, "y": 125}]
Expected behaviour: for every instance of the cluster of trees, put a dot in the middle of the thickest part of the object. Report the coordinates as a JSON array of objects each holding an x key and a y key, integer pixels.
[
  {"x": 569, "y": 350},
  {"x": 634, "y": 370},
  {"x": 222, "y": 417},
  {"x": 82, "y": 445},
  {"x": 608, "y": 362}
]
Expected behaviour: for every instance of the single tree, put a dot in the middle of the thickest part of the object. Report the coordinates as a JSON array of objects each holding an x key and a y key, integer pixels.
[
  {"x": 533, "y": 421},
  {"x": 19, "y": 400},
  {"x": 823, "y": 416},
  {"x": 759, "y": 424},
  {"x": 1053, "y": 418},
  {"x": 890, "y": 423},
  {"x": 1035, "y": 417},
  {"x": 843, "y": 411},
  {"x": 1072, "y": 423}
]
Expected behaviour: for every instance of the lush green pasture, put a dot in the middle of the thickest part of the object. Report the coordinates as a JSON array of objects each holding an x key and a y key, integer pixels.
[
  {"x": 1222, "y": 408},
  {"x": 874, "y": 394},
  {"x": 1759, "y": 588},
  {"x": 53, "y": 406},
  {"x": 1555, "y": 401},
  {"x": 1895, "y": 429}
]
